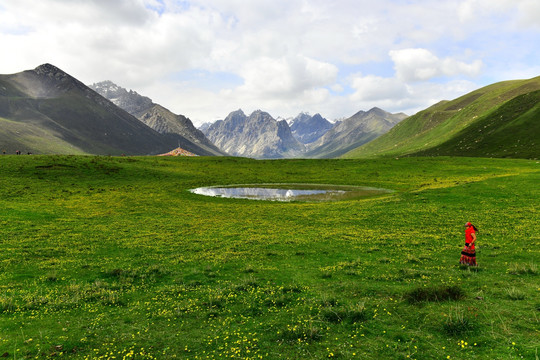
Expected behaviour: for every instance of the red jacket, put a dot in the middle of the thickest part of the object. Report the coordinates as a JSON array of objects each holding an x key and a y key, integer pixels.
[{"x": 468, "y": 234}]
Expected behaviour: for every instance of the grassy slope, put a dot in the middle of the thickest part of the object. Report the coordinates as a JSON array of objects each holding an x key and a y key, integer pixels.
[
  {"x": 511, "y": 130},
  {"x": 107, "y": 257},
  {"x": 446, "y": 122},
  {"x": 33, "y": 139},
  {"x": 27, "y": 134},
  {"x": 72, "y": 124}
]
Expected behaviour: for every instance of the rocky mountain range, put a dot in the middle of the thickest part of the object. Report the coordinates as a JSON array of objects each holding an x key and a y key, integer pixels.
[
  {"x": 46, "y": 110},
  {"x": 157, "y": 117},
  {"x": 259, "y": 136}
]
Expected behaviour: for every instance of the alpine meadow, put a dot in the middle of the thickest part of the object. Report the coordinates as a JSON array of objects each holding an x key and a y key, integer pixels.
[
  {"x": 113, "y": 257},
  {"x": 275, "y": 180}
]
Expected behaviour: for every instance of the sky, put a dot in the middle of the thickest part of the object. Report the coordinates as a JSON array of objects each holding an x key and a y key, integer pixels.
[{"x": 206, "y": 58}]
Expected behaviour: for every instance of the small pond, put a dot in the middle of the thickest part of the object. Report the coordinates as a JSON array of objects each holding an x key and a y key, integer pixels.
[{"x": 290, "y": 192}]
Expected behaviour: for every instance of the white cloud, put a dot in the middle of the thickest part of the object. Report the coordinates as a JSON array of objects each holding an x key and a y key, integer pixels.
[
  {"x": 523, "y": 13},
  {"x": 422, "y": 65},
  {"x": 395, "y": 95},
  {"x": 375, "y": 88},
  {"x": 287, "y": 76},
  {"x": 529, "y": 12},
  {"x": 286, "y": 54}
]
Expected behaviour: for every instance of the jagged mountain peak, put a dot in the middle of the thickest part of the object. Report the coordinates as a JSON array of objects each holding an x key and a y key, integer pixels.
[
  {"x": 130, "y": 100},
  {"x": 261, "y": 114},
  {"x": 107, "y": 85},
  {"x": 237, "y": 115},
  {"x": 307, "y": 128},
  {"x": 259, "y": 136},
  {"x": 46, "y": 69},
  {"x": 237, "y": 112}
]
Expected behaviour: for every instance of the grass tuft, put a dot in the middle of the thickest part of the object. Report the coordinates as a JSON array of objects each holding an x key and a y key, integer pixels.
[
  {"x": 458, "y": 323},
  {"x": 515, "y": 294},
  {"x": 6, "y": 304},
  {"x": 523, "y": 269}
]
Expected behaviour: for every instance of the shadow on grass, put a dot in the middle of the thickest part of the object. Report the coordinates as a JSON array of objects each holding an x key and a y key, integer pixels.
[{"x": 441, "y": 293}]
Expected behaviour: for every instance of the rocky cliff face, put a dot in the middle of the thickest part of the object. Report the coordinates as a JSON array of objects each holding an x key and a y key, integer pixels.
[
  {"x": 127, "y": 100},
  {"x": 258, "y": 136},
  {"x": 307, "y": 129},
  {"x": 157, "y": 117}
]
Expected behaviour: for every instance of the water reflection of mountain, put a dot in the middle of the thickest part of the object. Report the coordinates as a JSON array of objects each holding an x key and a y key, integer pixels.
[{"x": 259, "y": 193}]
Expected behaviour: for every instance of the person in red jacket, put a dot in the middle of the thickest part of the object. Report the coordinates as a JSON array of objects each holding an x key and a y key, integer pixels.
[{"x": 468, "y": 254}]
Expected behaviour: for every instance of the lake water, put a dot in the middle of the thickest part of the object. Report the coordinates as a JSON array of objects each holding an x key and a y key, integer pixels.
[{"x": 289, "y": 192}]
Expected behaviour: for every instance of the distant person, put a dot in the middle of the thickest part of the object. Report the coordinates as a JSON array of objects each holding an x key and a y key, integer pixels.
[{"x": 468, "y": 254}]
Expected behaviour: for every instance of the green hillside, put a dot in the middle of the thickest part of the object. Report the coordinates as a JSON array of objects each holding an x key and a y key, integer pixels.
[
  {"x": 499, "y": 120},
  {"x": 72, "y": 124}
]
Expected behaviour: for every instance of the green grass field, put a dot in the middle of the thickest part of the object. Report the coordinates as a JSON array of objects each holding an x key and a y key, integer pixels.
[{"x": 106, "y": 258}]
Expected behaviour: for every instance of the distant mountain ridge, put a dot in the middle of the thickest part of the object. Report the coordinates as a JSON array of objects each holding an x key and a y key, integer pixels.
[
  {"x": 46, "y": 110},
  {"x": 353, "y": 132},
  {"x": 498, "y": 120},
  {"x": 259, "y": 136},
  {"x": 157, "y": 117}
]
